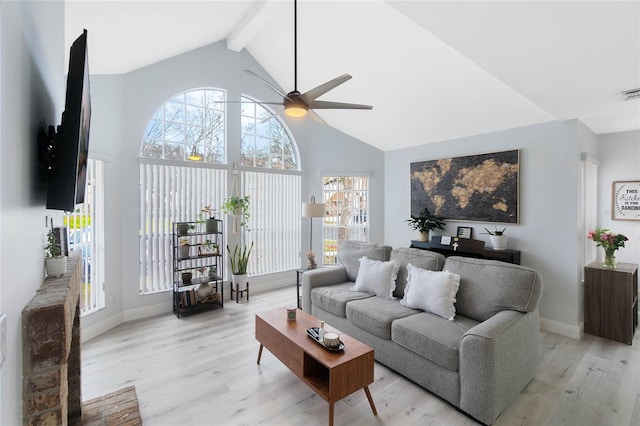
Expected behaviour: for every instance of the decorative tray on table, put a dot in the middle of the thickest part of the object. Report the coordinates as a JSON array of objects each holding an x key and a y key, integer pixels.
[{"x": 314, "y": 333}]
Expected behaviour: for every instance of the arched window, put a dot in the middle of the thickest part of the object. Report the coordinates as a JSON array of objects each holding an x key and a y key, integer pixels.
[
  {"x": 188, "y": 127},
  {"x": 265, "y": 140}
]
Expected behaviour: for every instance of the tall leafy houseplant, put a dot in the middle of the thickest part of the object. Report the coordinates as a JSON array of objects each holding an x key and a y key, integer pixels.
[
  {"x": 425, "y": 222},
  {"x": 239, "y": 258}
]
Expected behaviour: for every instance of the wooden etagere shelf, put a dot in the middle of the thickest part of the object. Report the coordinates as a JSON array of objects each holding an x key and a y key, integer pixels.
[{"x": 197, "y": 251}]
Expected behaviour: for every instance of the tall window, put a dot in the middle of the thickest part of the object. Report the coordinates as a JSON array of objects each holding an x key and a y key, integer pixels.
[
  {"x": 189, "y": 128},
  {"x": 86, "y": 234},
  {"x": 183, "y": 167},
  {"x": 346, "y": 199},
  {"x": 272, "y": 180}
]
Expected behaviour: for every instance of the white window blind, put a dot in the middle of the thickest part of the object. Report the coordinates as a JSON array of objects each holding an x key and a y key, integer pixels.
[
  {"x": 171, "y": 193},
  {"x": 275, "y": 224},
  {"x": 86, "y": 234},
  {"x": 589, "y": 206}
]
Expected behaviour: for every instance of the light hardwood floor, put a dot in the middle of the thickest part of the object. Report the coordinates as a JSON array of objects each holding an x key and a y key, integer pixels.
[{"x": 201, "y": 370}]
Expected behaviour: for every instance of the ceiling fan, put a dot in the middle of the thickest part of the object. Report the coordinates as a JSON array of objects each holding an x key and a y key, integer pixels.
[{"x": 298, "y": 104}]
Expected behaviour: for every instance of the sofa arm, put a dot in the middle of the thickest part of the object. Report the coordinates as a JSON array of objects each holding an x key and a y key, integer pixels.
[
  {"x": 320, "y": 278},
  {"x": 498, "y": 358}
]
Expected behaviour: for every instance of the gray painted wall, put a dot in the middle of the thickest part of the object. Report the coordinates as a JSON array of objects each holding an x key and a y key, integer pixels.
[
  {"x": 124, "y": 104},
  {"x": 549, "y": 180},
  {"x": 32, "y": 87}
]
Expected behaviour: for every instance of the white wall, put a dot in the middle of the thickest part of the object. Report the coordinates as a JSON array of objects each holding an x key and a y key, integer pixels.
[
  {"x": 547, "y": 233},
  {"x": 619, "y": 155},
  {"x": 32, "y": 84},
  {"x": 122, "y": 107}
]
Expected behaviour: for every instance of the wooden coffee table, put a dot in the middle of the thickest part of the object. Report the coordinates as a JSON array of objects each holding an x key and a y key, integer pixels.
[{"x": 331, "y": 374}]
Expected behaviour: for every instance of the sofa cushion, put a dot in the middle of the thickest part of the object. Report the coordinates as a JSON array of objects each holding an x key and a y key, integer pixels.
[
  {"x": 334, "y": 298},
  {"x": 431, "y": 291},
  {"x": 433, "y": 337},
  {"x": 424, "y": 259},
  {"x": 489, "y": 286},
  {"x": 350, "y": 252},
  {"x": 376, "y": 276},
  {"x": 375, "y": 315}
]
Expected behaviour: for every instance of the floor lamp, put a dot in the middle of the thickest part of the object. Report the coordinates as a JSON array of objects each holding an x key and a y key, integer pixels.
[{"x": 312, "y": 210}]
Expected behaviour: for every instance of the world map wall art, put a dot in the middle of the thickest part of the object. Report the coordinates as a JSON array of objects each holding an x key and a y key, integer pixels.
[{"x": 479, "y": 188}]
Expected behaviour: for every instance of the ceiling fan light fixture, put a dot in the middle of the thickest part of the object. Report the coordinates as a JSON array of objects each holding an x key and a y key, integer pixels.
[{"x": 295, "y": 110}]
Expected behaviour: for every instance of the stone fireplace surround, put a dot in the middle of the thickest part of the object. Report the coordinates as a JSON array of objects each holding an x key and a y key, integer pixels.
[{"x": 51, "y": 392}]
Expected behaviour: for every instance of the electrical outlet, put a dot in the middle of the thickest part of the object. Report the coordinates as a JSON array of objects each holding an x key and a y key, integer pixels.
[{"x": 3, "y": 338}]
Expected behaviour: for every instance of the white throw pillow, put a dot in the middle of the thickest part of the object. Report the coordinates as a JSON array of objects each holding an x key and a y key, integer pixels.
[
  {"x": 431, "y": 291},
  {"x": 376, "y": 276}
]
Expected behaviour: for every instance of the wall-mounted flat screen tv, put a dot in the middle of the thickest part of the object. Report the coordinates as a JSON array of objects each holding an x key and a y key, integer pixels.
[{"x": 68, "y": 178}]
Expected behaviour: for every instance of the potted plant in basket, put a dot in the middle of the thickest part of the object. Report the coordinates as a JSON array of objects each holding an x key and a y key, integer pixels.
[
  {"x": 55, "y": 264},
  {"x": 424, "y": 223},
  {"x": 497, "y": 237},
  {"x": 239, "y": 259}
]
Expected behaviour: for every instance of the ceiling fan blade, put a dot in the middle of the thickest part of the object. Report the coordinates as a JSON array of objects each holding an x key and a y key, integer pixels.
[
  {"x": 274, "y": 88},
  {"x": 337, "y": 105},
  {"x": 311, "y": 95},
  {"x": 315, "y": 117}
]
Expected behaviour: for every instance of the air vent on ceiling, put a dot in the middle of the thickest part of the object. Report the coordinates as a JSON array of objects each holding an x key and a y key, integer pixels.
[{"x": 631, "y": 94}]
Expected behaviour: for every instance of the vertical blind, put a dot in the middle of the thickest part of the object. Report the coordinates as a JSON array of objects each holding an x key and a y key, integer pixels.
[
  {"x": 275, "y": 222},
  {"x": 86, "y": 234},
  {"x": 171, "y": 193},
  {"x": 589, "y": 206}
]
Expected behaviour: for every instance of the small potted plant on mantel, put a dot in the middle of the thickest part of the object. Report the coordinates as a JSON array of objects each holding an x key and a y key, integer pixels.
[
  {"x": 497, "y": 237},
  {"x": 424, "y": 223},
  {"x": 55, "y": 263}
]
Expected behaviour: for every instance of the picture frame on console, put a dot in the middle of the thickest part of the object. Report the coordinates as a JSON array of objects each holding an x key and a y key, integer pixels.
[{"x": 464, "y": 232}]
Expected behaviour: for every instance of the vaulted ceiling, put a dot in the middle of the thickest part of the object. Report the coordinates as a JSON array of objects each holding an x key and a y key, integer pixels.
[{"x": 433, "y": 70}]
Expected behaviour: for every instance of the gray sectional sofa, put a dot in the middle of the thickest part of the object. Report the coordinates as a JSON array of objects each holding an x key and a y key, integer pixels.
[{"x": 479, "y": 361}]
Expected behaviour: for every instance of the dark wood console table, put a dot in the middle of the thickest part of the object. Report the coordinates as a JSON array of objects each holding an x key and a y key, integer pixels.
[{"x": 468, "y": 248}]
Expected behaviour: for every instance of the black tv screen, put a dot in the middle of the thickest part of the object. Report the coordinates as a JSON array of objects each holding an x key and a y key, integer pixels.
[{"x": 68, "y": 179}]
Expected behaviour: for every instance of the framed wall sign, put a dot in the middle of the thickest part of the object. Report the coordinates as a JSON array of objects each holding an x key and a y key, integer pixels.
[
  {"x": 464, "y": 232},
  {"x": 625, "y": 200}
]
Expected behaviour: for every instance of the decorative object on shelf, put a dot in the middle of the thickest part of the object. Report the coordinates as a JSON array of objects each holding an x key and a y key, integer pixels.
[
  {"x": 625, "y": 200},
  {"x": 239, "y": 259},
  {"x": 55, "y": 263},
  {"x": 464, "y": 232},
  {"x": 183, "y": 228},
  {"x": 610, "y": 242},
  {"x": 210, "y": 222},
  {"x": 312, "y": 210},
  {"x": 212, "y": 272},
  {"x": 204, "y": 290},
  {"x": 183, "y": 250},
  {"x": 186, "y": 277},
  {"x": 425, "y": 222},
  {"x": 486, "y": 187},
  {"x": 311, "y": 260},
  {"x": 208, "y": 248},
  {"x": 498, "y": 239}
]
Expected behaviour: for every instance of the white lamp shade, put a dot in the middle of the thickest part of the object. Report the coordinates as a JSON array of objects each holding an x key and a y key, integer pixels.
[{"x": 312, "y": 210}]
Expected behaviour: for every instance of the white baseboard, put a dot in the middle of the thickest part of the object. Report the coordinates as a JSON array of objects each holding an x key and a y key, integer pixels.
[
  {"x": 571, "y": 331},
  {"x": 257, "y": 285},
  {"x": 93, "y": 330}
]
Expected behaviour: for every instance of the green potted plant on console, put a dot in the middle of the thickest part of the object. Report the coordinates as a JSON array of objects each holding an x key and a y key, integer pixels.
[{"x": 425, "y": 222}]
